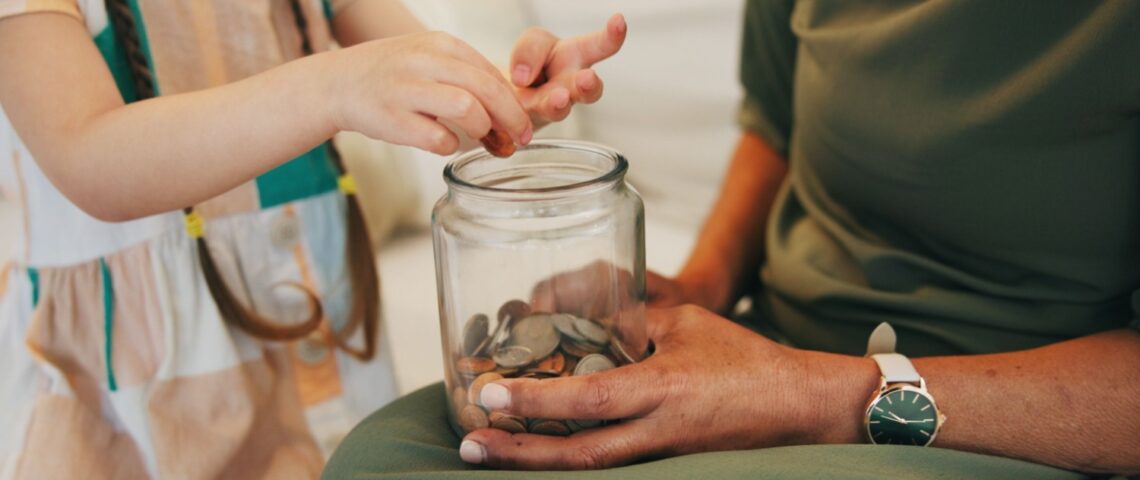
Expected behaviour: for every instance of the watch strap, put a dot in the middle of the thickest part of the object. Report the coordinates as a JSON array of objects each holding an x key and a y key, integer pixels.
[
  {"x": 882, "y": 340},
  {"x": 896, "y": 368}
]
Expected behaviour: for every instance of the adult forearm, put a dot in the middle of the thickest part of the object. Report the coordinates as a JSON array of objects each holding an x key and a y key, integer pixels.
[
  {"x": 1070, "y": 405},
  {"x": 170, "y": 152},
  {"x": 731, "y": 243}
]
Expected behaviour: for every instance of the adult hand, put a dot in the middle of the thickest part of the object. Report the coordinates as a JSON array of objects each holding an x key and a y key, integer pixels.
[
  {"x": 597, "y": 291},
  {"x": 552, "y": 74},
  {"x": 711, "y": 385},
  {"x": 408, "y": 89}
]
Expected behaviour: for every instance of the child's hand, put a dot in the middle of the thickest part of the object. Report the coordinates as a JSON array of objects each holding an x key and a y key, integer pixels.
[
  {"x": 552, "y": 74},
  {"x": 405, "y": 89}
]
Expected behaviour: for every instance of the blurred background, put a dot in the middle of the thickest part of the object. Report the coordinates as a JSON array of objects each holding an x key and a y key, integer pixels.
[{"x": 669, "y": 105}]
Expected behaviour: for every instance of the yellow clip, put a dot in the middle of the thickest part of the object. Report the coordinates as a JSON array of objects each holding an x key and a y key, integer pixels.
[
  {"x": 195, "y": 225},
  {"x": 347, "y": 184}
]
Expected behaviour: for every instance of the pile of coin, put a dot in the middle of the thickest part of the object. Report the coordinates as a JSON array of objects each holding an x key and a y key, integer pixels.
[{"x": 527, "y": 344}]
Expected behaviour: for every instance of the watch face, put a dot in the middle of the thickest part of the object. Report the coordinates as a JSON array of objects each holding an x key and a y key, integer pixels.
[{"x": 905, "y": 415}]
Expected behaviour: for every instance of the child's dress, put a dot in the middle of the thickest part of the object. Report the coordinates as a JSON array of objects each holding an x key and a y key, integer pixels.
[{"x": 116, "y": 361}]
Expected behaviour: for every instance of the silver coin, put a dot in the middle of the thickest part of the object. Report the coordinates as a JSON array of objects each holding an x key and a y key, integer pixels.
[
  {"x": 537, "y": 333},
  {"x": 564, "y": 323},
  {"x": 509, "y": 313},
  {"x": 513, "y": 357},
  {"x": 593, "y": 363},
  {"x": 475, "y": 333},
  {"x": 620, "y": 353},
  {"x": 593, "y": 332}
]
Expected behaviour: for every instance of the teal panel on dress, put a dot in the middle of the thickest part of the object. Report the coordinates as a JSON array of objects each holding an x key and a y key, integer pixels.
[
  {"x": 310, "y": 174},
  {"x": 116, "y": 59},
  {"x": 108, "y": 323}
]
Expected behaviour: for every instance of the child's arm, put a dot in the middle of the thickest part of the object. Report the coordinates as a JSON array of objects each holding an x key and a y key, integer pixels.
[
  {"x": 364, "y": 20},
  {"x": 549, "y": 73},
  {"x": 119, "y": 162}
]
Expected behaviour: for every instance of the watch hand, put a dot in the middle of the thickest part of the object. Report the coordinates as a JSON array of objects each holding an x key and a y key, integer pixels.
[{"x": 895, "y": 418}]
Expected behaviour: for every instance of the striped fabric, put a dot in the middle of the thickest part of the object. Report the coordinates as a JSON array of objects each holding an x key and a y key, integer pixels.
[{"x": 118, "y": 364}]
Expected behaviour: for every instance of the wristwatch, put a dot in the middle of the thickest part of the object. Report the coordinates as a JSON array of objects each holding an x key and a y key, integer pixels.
[{"x": 901, "y": 411}]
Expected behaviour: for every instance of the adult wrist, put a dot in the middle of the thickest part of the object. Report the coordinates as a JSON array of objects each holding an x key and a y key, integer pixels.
[
  {"x": 705, "y": 288},
  {"x": 840, "y": 386}
]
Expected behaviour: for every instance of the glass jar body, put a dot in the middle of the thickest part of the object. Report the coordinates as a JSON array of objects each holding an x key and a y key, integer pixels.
[{"x": 540, "y": 264}]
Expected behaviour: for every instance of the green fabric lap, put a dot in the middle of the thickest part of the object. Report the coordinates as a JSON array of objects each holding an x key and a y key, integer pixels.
[{"x": 411, "y": 439}]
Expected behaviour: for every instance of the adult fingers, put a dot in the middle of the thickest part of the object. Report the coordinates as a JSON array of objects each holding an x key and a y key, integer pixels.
[
  {"x": 586, "y": 450},
  {"x": 530, "y": 54},
  {"x": 629, "y": 391},
  {"x": 454, "y": 104},
  {"x": 494, "y": 94},
  {"x": 595, "y": 47}
]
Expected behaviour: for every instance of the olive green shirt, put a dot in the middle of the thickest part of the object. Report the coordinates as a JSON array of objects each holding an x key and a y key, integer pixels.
[{"x": 968, "y": 171}]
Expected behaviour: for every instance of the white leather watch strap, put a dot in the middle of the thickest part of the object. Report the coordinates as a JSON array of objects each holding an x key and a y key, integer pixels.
[{"x": 895, "y": 367}]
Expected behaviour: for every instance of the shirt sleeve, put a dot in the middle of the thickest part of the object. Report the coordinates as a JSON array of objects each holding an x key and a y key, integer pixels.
[
  {"x": 11, "y": 8},
  {"x": 767, "y": 62}
]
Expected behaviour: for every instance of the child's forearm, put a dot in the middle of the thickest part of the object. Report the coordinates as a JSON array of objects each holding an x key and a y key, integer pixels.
[
  {"x": 170, "y": 152},
  {"x": 364, "y": 20},
  {"x": 121, "y": 162}
]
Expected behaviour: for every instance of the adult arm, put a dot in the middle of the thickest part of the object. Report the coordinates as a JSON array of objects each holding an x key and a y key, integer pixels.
[
  {"x": 1071, "y": 404},
  {"x": 119, "y": 162},
  {"x": 730, "y": 247}
]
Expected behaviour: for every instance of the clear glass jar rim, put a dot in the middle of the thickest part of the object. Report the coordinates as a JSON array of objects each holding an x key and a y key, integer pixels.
[{"x": 620, "y": 165}]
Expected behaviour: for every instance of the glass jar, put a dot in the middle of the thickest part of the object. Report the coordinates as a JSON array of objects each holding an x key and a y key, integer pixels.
[{"x": 540, "y": 269}]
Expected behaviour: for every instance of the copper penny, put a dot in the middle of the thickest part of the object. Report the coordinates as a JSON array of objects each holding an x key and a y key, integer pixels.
[
  {"x": 554, "y": 362},
  {"x": 508, "y": 422},
  {"x": 549, "y": 427},
  {"x": 474, "y": 365},
  {"x": 498, "y": 143},
  {"x": 472, "y": 418},
  {"x": 515, "y": 309},
  {"x": 476, "y": 388}
]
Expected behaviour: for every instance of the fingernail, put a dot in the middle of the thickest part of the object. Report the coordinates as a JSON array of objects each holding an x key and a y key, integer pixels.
[
  {"x": 495, "y": 396},
  {"x": 521, "y": 75},
  {"x": 471, "y": 452},
  {"x": 527, "y": 135}
]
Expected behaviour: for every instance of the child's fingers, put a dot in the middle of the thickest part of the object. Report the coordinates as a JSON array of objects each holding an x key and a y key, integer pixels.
[
  {"x": 530, "y": 54},
  {"x": 595, "y": 47},
  {"x": 550, "y": 102},
  {"x": 586, "y": 86},
  {"x": 453, "y": 104},
  {"x": 419, "y": 131},
  {"x": 495, "y": 95}
]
